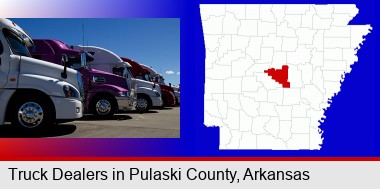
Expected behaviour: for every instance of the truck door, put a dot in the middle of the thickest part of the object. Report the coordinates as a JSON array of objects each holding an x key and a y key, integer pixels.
[{"x": 4, "y": 65}]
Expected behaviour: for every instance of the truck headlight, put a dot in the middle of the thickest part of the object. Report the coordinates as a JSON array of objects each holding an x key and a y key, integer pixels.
[
  {"x": 123, "y": 94},
  {"x": 157, "y": 94},
  {"x": 70, "y": 92}
]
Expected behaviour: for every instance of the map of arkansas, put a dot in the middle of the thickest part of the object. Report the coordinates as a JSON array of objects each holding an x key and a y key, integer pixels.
[{"x": 272, "y": 70}]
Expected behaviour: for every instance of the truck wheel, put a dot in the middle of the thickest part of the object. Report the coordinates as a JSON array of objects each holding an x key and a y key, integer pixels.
[
  {"x": 31, "y": 112},
  {"x": 143, "y": 104},
  {"x": 104, "y": 107}
]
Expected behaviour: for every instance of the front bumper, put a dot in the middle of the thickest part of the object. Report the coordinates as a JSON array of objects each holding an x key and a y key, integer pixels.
[
  {"x": 169, "y": 98},
  {"x": 178, "y": 99},
  {"x": 126, "y": 103},
  {"x": 67, "y": 108},
  {"x": 156, "y": 101}
]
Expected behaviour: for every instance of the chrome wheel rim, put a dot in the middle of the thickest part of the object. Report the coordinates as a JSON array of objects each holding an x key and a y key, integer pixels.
[
  {"x": 30, "y": 115},
  {"x": 103, "y": 107},
  {"x": 142, "y": 103}
]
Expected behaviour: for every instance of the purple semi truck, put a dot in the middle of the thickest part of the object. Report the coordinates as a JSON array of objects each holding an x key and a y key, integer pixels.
[{"x": 104, "y": 92}]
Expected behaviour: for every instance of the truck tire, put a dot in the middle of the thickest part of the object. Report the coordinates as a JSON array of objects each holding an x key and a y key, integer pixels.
[
  {"x": 104, "y": 107},
  {"x": 32, "y": 112},
  {"x": 143, "y": 103}
]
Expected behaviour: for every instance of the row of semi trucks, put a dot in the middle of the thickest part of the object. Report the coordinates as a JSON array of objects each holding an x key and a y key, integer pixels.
[{"x": 45, "y": 81}]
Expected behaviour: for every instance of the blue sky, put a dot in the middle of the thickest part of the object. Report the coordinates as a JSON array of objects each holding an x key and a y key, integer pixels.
[{"x": 151, "y": 41}]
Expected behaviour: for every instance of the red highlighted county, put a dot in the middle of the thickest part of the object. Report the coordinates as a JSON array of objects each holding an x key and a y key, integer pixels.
[{"x": 279, "y": 75}]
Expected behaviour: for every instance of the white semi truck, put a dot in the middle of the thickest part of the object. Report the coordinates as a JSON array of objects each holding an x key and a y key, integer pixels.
[
  {"x": 34, "y": 93},
  {"x": 148, "y": 93}
]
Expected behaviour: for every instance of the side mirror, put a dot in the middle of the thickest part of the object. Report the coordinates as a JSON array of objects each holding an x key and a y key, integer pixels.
[
  {"x": 65, "y": 60},
  {"x": 83, "y": 62},
  {"x": 154, "y": 85}
]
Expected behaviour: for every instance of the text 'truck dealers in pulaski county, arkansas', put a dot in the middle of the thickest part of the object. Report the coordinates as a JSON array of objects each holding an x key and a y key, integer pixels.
[{"x": 150, "y": 174}]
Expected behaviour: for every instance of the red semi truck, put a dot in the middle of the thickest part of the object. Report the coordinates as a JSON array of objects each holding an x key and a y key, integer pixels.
[{"x": 158, "y": 78}]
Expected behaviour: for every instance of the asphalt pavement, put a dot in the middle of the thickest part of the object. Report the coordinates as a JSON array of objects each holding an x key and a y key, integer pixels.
[{"x": 157, "y": 123}]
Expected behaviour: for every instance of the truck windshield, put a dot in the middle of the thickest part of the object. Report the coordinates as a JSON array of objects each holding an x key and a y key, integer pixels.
[
  {"x": 148, "y": 78},
  {"x": 74, "y": 62},
  {"x": 129, "y": 72},
  {"x": 16, "y": 43},
  {"x": 161, "y": 80},
  {"x": 121, "y": 71}
]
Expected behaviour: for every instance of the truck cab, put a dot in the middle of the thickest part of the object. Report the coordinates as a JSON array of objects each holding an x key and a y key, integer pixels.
[
  {"x": 158, "y": 78},
  {"x": 34, "y": 93},
  {"x": 148, "y": 93},
  {"x": 104, "y": 92},
  {"x": 167, "y": 92}
]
